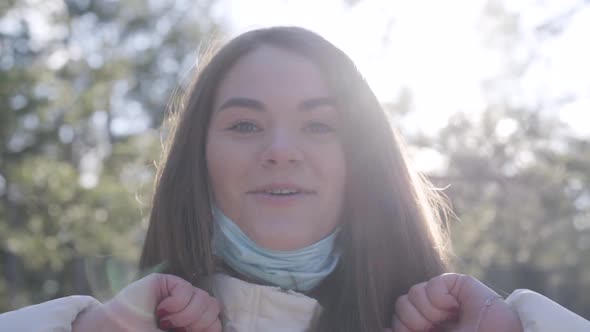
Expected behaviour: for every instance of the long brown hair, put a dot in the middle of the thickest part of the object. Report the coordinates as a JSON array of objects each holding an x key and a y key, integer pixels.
[{"x": 393, "y": 233}]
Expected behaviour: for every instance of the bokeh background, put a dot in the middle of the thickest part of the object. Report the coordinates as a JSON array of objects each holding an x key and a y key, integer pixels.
[{"x": 492, "y": 95}]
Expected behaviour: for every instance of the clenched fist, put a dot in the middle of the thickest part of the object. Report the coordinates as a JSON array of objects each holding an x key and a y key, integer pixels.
[
  {"x": 453, "y": 303},
  {"x": 154, "y": 303}
]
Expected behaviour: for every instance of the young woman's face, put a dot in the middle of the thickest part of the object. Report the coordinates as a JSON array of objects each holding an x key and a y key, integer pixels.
[{"x": 275, "y": 159}]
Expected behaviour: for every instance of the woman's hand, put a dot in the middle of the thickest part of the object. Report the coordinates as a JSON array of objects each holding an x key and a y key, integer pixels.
[
  {"x": 453, "y": 303},
  {"x": 189, "y": 311},
  {"x": 177, "y": 304}
]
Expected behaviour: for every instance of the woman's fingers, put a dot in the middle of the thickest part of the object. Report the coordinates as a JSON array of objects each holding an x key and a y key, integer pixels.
[
  {"x": 439, "y": 292},
  {"x": 461, "y": 298},
  {"x": 427, "y": 304},
  {"x": 178, "y": 294},
  {"x": 208, "y": 320},
  {"x": 410, "y": 316},
  {"x": 139, "y": 299},
  {"x": 197, "y": 305},
  {"x": 423, "y": 302}
]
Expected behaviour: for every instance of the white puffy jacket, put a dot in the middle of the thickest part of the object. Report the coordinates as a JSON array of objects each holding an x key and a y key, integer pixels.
[{"x": 248, "y": 307}]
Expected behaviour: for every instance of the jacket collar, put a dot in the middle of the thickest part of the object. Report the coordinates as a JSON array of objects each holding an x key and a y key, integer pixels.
[{"x": 248, "y": 307}]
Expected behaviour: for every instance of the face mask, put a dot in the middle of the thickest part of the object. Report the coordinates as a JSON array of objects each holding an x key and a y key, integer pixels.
[{"x": 300, "y": 269}]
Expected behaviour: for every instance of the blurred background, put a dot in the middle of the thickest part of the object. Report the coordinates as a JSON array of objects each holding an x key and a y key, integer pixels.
[{"x": 492, "y": 95}]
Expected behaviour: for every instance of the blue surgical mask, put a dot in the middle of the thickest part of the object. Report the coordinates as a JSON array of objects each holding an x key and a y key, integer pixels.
[{"x": 301, "y": 269}]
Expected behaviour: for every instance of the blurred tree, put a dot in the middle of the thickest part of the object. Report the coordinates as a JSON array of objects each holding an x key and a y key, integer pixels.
[
  {"x": 518, "y": 177},
  {"x": 83, "y": 84},
  {"x": 520, "y": 186}
]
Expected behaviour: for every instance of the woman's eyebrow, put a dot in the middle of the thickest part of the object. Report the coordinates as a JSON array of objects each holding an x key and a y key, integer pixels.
[
  {"x": 242, "y": 102},
  {"x": 317, "y": 102},
  {"x": 257, "y": 105}
]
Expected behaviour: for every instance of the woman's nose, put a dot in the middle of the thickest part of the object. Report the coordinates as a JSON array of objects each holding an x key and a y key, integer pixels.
[{"x": 282, "y": 149}]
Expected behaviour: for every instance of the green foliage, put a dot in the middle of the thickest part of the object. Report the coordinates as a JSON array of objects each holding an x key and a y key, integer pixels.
[
  {"x": 522, "y": 197},
  {"x": 79, "y": 103}
]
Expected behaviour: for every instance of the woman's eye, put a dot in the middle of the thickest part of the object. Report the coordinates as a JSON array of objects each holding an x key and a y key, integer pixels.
[
  {"x": 244, "y": 127},
  {"x": 319, "y": 128}
]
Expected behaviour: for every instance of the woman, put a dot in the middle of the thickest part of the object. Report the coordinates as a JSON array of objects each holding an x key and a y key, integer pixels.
[{"x": 283, "y": 170}]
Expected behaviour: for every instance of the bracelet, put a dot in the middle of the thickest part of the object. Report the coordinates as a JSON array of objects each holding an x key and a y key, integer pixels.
[{"x": 487, "y": 303}]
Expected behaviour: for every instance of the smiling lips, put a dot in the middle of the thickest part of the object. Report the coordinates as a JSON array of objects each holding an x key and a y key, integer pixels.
[{"x": 281, "y": 189}]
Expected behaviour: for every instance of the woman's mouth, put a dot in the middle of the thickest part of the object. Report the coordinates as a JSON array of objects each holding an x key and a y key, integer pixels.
[{"x": 280, "y": 194}]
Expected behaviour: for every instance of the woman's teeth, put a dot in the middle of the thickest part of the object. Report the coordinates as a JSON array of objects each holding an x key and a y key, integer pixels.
[{"x": 282, "y": 191}]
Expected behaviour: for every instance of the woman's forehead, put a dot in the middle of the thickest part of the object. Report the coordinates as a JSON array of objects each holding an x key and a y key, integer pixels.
[{"x": 273, "y": 75}]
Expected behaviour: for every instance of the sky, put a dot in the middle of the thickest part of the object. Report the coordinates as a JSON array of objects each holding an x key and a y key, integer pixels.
[{"x": 438, "y": 51}]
